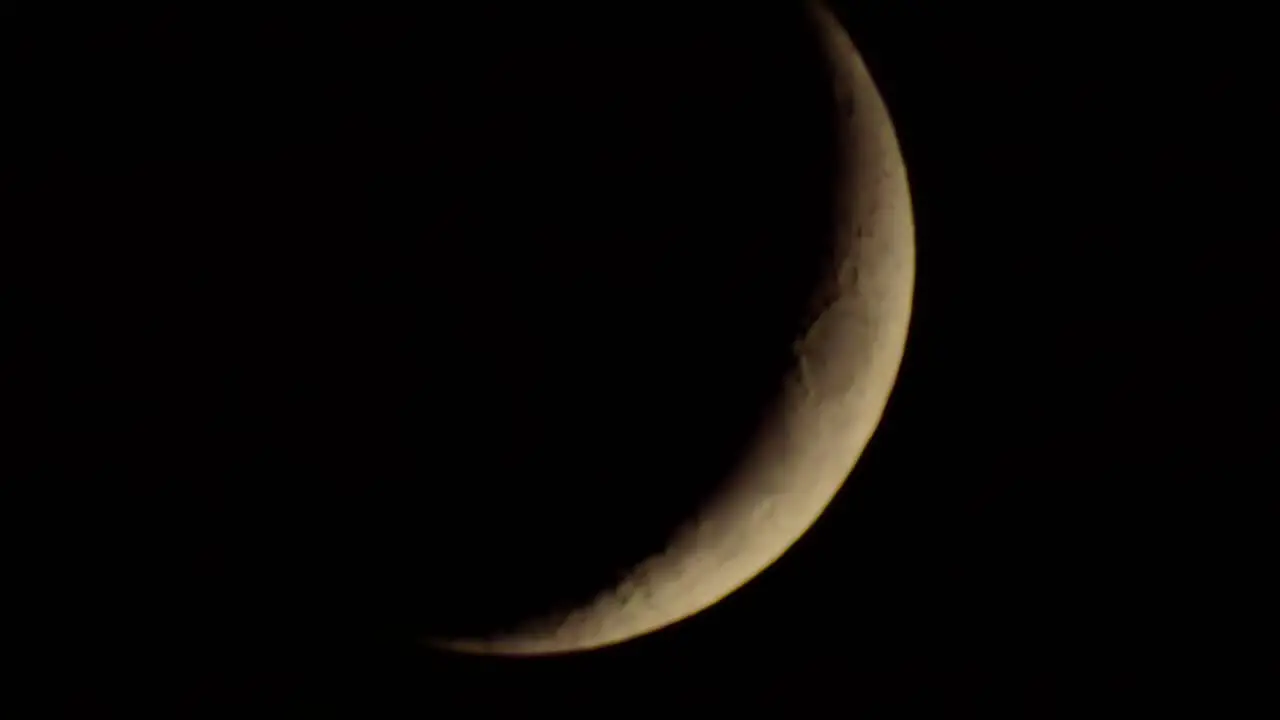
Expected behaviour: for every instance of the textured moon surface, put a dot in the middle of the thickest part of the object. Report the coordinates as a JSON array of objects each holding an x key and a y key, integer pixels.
[{"x": 843, "y": 369}]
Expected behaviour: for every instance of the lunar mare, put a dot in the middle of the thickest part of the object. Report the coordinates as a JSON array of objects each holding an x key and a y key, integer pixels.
[{"x": 844, "y": 368}]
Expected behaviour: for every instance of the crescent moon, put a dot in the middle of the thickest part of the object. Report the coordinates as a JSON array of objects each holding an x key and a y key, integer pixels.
[{"x": 845, "y": 366}]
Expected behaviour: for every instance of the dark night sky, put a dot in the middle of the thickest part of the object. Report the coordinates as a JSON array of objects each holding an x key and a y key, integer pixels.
[{"x": 1064, "y": 503}]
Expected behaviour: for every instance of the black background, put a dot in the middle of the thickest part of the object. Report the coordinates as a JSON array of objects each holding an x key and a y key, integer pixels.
[{"x": 1064, "y": 504}]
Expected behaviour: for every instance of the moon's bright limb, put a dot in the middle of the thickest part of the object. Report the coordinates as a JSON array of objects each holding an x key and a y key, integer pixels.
[{"x": 845, "y": 367}]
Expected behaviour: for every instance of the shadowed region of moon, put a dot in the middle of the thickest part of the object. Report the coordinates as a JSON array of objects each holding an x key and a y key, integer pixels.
[
  {"x": 422, "y": 326},
  {"x": 825, "y": 402},
  {"x": 640, "y": 234}
]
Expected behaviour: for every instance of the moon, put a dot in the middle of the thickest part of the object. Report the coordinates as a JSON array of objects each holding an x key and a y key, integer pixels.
[{"x": 843, "y": 369}]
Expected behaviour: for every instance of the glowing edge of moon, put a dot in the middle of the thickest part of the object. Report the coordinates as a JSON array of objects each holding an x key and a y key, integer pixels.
[{"x": 846, "y": 367}]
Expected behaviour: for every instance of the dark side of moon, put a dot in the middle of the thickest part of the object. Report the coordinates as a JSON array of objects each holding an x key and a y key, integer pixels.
[{"x": 419, "y": 337}]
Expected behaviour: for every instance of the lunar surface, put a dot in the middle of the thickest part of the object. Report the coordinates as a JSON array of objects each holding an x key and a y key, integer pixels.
[
  {"x": 843, "y": 367},
  {"x": 448, "y": 324}
]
